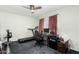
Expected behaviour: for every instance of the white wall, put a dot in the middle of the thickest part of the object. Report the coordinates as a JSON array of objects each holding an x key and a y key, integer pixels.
[
  {"x": 17, "y": 24},
  {"x": 68, "y": 21}
]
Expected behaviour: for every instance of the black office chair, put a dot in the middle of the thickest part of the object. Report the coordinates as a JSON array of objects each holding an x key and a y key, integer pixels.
[{"x": 39, "y": 38}]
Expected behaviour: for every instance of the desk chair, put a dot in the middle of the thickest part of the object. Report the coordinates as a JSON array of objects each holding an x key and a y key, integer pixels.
[{"x": 39, "y": 38}]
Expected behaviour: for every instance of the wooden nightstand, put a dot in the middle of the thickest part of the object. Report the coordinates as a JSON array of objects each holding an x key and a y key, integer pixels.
[{"x": 61, "y": 47}]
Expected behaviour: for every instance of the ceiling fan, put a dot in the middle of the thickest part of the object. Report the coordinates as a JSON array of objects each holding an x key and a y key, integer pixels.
[{"x": 32, "y": 7}]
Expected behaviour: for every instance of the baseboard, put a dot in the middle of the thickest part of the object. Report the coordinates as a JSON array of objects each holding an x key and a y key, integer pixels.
[{"x": 71, "y": 51}]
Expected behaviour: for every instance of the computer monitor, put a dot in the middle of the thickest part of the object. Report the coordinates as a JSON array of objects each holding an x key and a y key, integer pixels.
[{"x": 46, "y": 30}]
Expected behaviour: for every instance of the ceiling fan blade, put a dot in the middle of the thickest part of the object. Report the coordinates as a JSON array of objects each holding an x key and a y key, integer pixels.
[
  {"x": 38, "y": 7},
  {"x": 25, "y": 7}
]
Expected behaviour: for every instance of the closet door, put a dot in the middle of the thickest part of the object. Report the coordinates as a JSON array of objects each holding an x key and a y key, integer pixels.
[
  {"x": 53, "y": 23},
  {"x": 41, "y": 25}
]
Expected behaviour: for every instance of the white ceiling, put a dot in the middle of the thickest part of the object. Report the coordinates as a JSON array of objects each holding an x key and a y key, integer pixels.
[{"x": 18, "y": 9}]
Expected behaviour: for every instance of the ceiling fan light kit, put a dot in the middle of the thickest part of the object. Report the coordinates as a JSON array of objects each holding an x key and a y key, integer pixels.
[{"x": 32, "y": 11}]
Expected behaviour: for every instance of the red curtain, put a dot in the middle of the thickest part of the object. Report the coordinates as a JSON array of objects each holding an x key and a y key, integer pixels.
[
  {"x": 41, "y": 25},
  {"x": 53, "y": 23}
]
